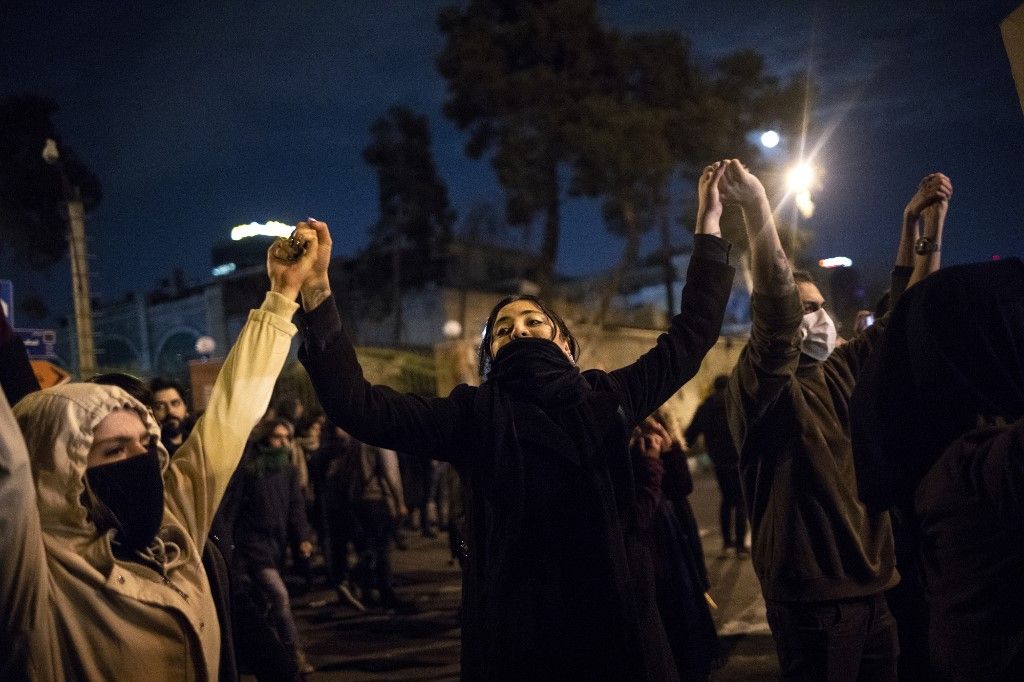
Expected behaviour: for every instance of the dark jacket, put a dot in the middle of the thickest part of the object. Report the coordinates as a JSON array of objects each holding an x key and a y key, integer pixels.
[
  {"x": 970, "y": 506},
  {"x": 567, "y": 603},
  {"x": 813, "y": 539},
  {"x": 271, "y": 514},
  {"x": 712, "y": 421}
]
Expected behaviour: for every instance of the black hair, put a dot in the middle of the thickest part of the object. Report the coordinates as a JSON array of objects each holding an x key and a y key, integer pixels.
[
  {"x": 132, "y": 385},
  {"x": 263, "y": 430},
  {"x": 561, "y": 328},
  {"x": 161, "y": 384}
]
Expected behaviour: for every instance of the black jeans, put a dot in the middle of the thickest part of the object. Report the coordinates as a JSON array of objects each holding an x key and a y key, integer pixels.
[
  {"x": 841, "y": 640},
  {"x": 731, "y": 506}
]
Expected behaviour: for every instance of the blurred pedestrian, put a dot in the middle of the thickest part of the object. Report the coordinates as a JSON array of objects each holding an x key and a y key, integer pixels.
[
  {"x": 712, "y": 422},
  {"x": 271, "y": 517}
]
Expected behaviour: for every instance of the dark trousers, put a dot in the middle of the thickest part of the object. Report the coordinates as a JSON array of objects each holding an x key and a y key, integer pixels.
[
  {"x": 373, "y": 542},
  {"x": 731, "y": 508},
  {"x": 840, "y": 641}
]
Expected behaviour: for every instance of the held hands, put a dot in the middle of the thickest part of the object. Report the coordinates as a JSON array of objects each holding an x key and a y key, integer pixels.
[
  {"x": 934, "y": 191},
  {"x": 288, "y": 276},
  {"x": 709, "y": 200},
  {"x": 740, "y": 186},
  {"x": 318, "y": 286},
  {"x": 934, "y": 214},
  {"x": 306, "y": 549}
]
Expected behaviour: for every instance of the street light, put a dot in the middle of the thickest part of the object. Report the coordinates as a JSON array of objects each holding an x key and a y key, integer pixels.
[
  {"x": 799, "y": 181},
  {"x": 79, "y": 262},
  {"x": 770, "y": 139}
]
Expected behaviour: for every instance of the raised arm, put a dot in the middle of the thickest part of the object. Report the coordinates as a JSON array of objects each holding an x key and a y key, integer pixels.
[
  {"x": 203, "y": 465},
  {"x": 928, "y": 206},
  {"x": 28, "y": 641},
  {"x": 377, "y": 415},
  {"x": 676, "y": 357},
  {"x": 767, "y": 363}
]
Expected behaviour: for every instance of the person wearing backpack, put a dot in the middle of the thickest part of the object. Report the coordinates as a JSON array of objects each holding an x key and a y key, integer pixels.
[{"x": 372, "y": 484}]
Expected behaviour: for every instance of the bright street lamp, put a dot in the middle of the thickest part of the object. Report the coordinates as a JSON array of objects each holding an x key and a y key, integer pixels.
[
  {"x": 800, "y": 178},
  {"x": 770, "y": 139}
]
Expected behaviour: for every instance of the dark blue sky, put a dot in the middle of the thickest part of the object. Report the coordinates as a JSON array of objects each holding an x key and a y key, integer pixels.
[{"x": 200, "y": 116}]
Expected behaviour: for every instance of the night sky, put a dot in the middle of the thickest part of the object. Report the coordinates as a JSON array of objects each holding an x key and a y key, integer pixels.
[{"x": 200, "y": 116}]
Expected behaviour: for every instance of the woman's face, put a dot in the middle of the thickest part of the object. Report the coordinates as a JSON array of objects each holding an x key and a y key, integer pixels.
[
  {"x": 120, "y": 435},
  {"x": 523, "y": 319}
]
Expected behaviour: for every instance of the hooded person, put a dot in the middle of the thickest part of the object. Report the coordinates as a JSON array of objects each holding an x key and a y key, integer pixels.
[
  {"x": 938, "y": 429},
  {"x": 102, "y": 530},
  {"x": 550, "y": 588}
]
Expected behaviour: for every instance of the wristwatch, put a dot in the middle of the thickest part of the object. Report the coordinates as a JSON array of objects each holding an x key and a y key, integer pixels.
[{"x": 925, "y": 245}]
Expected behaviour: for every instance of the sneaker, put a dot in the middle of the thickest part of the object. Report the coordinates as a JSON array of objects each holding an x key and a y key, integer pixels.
[{"x": 348, "y": 595}]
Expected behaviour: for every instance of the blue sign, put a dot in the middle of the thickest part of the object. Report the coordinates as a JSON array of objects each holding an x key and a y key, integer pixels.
[
  {"x": 7, "y": 299},
  {"x": 39, "y": 343}
]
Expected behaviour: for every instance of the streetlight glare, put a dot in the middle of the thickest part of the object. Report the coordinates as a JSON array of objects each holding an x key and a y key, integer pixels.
[
  {"x": 835, "y": 262},
  {"x": 770, "y": 139},
  {"x": 800, "y": 178}
]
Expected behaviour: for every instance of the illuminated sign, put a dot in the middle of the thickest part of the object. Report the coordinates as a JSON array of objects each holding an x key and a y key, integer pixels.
[
  {"x": 271, "y": 228},
  {"x": 835, "y": 262}
]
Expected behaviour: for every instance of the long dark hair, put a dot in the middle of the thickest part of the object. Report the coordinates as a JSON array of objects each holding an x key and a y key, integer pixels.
[{"x": 560, "y": 326}]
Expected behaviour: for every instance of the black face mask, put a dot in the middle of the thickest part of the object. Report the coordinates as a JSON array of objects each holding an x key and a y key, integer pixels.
[{"x": 133, "y": 492}]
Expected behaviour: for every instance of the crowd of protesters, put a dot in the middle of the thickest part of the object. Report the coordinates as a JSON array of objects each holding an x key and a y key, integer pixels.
[{"x": 882, "y": 478}]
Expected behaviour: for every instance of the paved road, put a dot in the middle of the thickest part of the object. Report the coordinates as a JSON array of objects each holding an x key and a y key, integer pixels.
[{"x": 346, "y": 645}]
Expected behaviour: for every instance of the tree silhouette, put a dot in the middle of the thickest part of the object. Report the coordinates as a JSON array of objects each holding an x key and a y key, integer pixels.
[
  {"x": 415, "y": 213},
  {"x": 515, "y": 72},
  {"x": 32, "y": 220}
]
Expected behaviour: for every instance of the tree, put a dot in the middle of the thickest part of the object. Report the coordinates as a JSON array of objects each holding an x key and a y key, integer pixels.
[
  {"x": 413, "y": 198},
  {"x": 416, "y": 219},
  {"x": 516, "y": 71},
  {"x": 31, "y": 193}
]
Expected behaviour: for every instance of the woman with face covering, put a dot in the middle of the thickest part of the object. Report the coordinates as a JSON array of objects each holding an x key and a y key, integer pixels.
[
  {"x": 102, "y": 531},
  {"x": 938, "y": 421},
  {"x": 541, "y": 449}
]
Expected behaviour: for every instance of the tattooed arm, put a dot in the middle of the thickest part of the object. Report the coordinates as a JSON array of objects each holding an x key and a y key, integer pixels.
[
  {"x": 767, "y": 363},
  {"x": 770, "y": 268}
]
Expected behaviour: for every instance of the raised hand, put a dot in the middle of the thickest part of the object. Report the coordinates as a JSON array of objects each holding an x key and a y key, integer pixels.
[
  {"x": 740, "y": 186},
  {"x": 318, "y": 286},
  {"x": 933, "y": 189},
  {"x": 709, "y": 200},
  {"x": 288, "y": 276}
]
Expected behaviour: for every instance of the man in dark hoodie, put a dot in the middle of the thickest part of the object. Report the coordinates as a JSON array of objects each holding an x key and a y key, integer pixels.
[{"x": 822, "y": 558}]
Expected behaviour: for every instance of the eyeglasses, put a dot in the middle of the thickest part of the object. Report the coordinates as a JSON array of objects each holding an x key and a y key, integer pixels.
[{"x": 812, "y": 306}]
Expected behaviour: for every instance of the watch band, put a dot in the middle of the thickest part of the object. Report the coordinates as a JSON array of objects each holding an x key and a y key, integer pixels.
[{"x": 925, "y": 246}]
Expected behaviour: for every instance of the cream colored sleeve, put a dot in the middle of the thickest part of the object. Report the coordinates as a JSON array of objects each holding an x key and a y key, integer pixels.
[
  {"x": 203, "y": 465},
  {"x": 28, "y": 639}
]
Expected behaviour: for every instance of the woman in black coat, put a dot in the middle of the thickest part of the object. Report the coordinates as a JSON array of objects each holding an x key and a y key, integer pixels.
[{"x": 541, "y": 449}]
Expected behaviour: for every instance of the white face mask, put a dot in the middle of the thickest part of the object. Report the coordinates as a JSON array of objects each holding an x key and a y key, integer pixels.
[{"x": 817, "y": 335}]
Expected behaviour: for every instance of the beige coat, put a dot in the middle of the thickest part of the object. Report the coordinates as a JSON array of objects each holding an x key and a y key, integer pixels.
[{"x": 68, "y": 608}]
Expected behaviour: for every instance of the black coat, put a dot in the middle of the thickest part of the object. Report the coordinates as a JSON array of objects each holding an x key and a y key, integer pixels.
[
  {"x": 269, "y": 514},
  {"x": 569, "y": 603}
]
